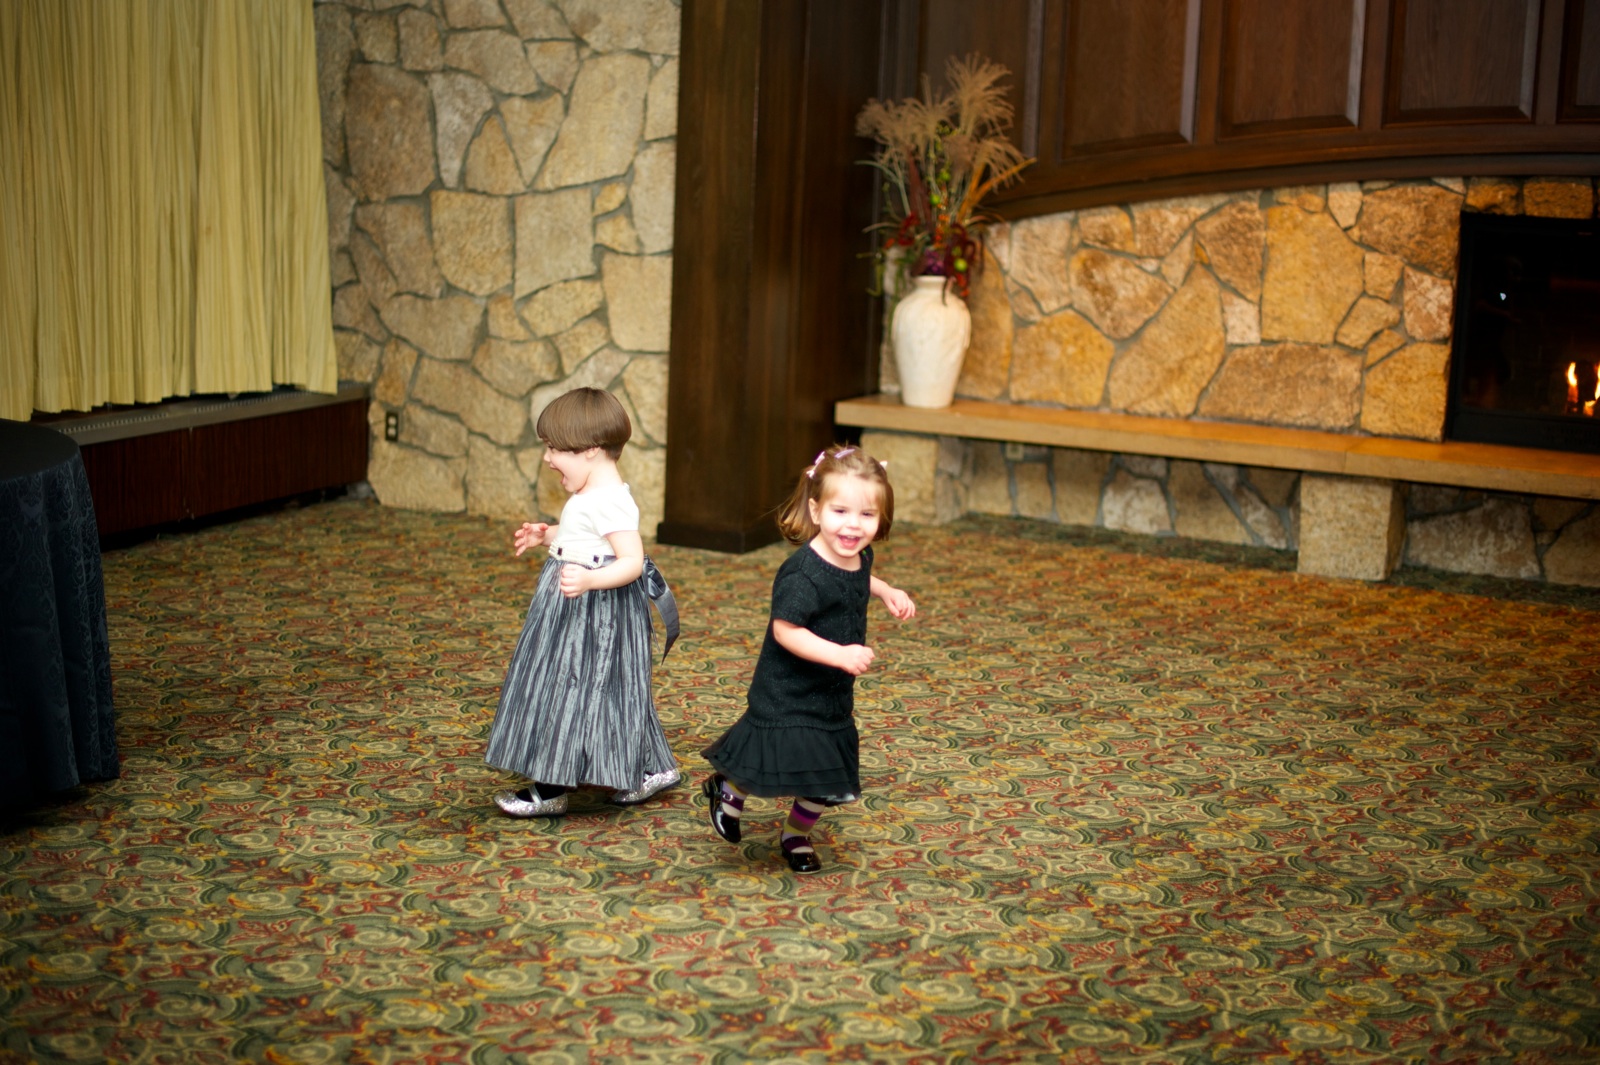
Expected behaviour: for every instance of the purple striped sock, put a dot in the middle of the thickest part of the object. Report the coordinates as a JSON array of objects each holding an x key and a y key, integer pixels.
[
  {"x": 797, "y": 829},
  {"x": 732, "y": 799}
]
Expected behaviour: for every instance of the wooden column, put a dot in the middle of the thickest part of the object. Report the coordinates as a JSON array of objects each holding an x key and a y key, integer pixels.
[{"x": 771, "y": 321}]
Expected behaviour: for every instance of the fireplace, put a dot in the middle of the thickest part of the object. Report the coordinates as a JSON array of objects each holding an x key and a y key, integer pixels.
[{"x": 1526, "y": 356}]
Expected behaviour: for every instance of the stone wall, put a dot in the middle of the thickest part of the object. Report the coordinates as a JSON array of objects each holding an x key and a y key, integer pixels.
[
  {"x": 1325, "y": 307},
  {"x": 500, "y": 196}
]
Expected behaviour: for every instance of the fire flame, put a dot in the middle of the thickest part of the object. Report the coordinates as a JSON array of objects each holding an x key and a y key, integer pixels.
[{"x": 1587, "y": 408}]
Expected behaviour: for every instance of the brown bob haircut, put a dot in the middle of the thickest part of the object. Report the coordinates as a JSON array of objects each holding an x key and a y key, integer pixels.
[
  {"x": 585, "y": 418},
  {"x": 840, "y": 460}
]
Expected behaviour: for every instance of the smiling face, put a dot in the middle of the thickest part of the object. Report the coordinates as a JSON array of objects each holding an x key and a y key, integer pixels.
[
  {"x": 846, "y": 516},
  {"x": 573, "y": 466}
]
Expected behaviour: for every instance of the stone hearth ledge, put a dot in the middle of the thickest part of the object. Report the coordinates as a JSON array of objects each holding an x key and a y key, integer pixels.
[{"x": 1352, "y": 519}]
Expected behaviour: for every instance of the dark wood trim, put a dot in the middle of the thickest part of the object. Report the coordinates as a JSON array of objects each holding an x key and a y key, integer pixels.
[
  {"x": 1229, "y": 26},
  {"x": 900, "y": 30},
  {"x": 771, "y": 321},
  {"x": 1374, "y": 64},
  {"x": 1549, "y": 63},
  {"x": 1032, "y": 80},
  {"x": 1399, "y": 168},
  {"x": 1209, "y": 89},
  {"x": 139, "y": 482},
  {"x": 708, "y": 538},
  {"x": 1569, "y": 56},
  {"x": 1191, "y": 70},
  {"x": 238, "y": 464},
  {"x": 1358, "y": 50},
  {"x": 1073, "y": 155},
  {"x": 1396, "y": 114},
  {"x": 1051, "y": 141},
  {"x": 1366, "y": 133},
  {"x": 150, "y": 480},
  {"x": 1314, "y": 156},
  {"x": 713, "y": 236}
]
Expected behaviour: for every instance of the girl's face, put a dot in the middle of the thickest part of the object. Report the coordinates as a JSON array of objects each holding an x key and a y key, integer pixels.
[
  {"x": 573, "y": 466},
  {"x": 846, "y": 517}
]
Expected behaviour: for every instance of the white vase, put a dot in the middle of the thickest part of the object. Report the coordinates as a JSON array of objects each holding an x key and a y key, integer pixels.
[{"x": 930, "y": 331}]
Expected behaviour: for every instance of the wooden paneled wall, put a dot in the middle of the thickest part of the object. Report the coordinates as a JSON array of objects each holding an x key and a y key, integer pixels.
[
  {"x": 142, "y": 482},
  {"x": 1118, "y": 99},
  {"x": 771, "y": 323},
  {"x": 1144, "y": 98}
]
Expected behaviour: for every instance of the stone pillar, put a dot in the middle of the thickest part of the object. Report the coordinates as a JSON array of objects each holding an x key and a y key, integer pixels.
[
  {"x": 1350, "y": 527},
  {"x": 926, "y": 472}
]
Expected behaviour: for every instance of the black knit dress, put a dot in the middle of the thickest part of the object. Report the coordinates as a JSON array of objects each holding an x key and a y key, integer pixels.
[{"x": 798, "y": 733}]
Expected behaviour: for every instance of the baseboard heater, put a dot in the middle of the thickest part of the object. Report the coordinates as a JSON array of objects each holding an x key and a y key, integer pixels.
[{"x": 196, "y": 458}]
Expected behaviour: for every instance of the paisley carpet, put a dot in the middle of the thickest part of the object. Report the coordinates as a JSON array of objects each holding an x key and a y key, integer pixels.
[{"x": 1127, "y": 800}]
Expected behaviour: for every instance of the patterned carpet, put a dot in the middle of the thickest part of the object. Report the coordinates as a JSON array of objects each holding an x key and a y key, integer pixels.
[{"x": 1128, "y": 800}]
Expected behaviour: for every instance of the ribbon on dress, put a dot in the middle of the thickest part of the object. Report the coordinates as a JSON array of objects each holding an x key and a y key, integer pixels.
[{"x": 655, "y": 586}]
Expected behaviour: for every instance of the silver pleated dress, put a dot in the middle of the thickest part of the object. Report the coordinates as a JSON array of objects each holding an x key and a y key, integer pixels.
[{"x": 576, "y": 707}]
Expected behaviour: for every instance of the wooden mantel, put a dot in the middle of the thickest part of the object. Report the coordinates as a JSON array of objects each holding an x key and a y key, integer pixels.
[{"x": 1464, "y": 465}]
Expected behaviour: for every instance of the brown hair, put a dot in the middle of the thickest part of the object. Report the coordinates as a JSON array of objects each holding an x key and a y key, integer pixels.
[
  {"x": 585, "y": 418},
  {"x": 840, "y": 460}
]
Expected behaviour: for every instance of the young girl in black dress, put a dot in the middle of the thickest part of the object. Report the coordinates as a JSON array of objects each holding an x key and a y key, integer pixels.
[{"x": 798, "y": 735}]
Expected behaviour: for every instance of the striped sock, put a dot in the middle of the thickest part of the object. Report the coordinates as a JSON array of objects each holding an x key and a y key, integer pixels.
[
  {"x": 797, "y": 829},
  {"x": 732, "y": 799}
]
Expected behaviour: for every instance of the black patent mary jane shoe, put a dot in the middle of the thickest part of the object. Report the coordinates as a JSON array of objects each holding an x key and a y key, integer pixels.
[
  {"x": 803, "y": 861},
  {"x": 723, "y": 825}
]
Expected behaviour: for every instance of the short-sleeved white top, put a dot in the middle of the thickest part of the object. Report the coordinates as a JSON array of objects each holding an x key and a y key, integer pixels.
[{"x": 586, "y": 520}]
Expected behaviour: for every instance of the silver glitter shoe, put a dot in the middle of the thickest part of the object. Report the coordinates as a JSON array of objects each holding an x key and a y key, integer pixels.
[
  {"x": 653, "y": 784},
  {"x": 514, "y": 805}
]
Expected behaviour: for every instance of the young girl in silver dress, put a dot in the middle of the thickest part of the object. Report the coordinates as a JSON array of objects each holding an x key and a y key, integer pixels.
[
  {"x": 576, "y": 706},
  {"x": 798, "y": 735}
]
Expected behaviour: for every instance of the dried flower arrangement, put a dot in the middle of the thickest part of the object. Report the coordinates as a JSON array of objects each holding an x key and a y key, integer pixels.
[{"x": 940, "y": 155}]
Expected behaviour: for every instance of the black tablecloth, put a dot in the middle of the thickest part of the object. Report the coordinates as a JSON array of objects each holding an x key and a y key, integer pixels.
[{"x": 56, "y": 719}]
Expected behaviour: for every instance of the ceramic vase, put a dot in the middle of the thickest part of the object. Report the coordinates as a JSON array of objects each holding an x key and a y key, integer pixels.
[{"x": 930, "y": 332}]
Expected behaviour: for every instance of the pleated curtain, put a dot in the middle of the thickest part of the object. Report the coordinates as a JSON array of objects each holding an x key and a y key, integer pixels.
[{"x": 162, "y": 198}]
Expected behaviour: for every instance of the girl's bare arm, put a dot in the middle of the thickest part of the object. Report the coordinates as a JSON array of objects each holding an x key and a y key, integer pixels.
[
  {"x": 798, "y": 640},
  {"x": 898, "y": 602}
]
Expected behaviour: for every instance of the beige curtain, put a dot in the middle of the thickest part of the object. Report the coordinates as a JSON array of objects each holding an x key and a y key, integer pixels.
[{"x": 165, "y": 225}]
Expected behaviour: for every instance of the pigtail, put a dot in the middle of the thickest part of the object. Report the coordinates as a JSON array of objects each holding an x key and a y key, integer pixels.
[{"x": 794, "y": 517}]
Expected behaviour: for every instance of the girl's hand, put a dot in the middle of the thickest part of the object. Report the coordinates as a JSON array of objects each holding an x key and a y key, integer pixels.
[
  {"x": 855, "y": 658},
  {"x": 530, "y": 535},
  {"x": 898, "y": 602},
  {"x": 575, "y": 580}
]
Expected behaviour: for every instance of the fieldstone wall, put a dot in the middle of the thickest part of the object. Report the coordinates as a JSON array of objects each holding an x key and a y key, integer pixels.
[
  {"x": 1326, "y": 307},
  {"x": 500, "y": 196}
]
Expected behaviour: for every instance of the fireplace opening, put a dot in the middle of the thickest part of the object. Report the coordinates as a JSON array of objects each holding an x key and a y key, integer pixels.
[{"x": 1525, "y": 362}]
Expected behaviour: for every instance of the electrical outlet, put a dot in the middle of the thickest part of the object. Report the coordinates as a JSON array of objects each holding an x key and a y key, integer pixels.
[
  {"x": 391, "y": 425},
  {"x": 1013, "y": 451}
]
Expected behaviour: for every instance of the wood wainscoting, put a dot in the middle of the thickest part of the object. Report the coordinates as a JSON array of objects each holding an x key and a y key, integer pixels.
[
  {"x": 195, "y": 458},
  {"x": 1139, "y": 101},
  {"x": 771, "y": 321}
]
